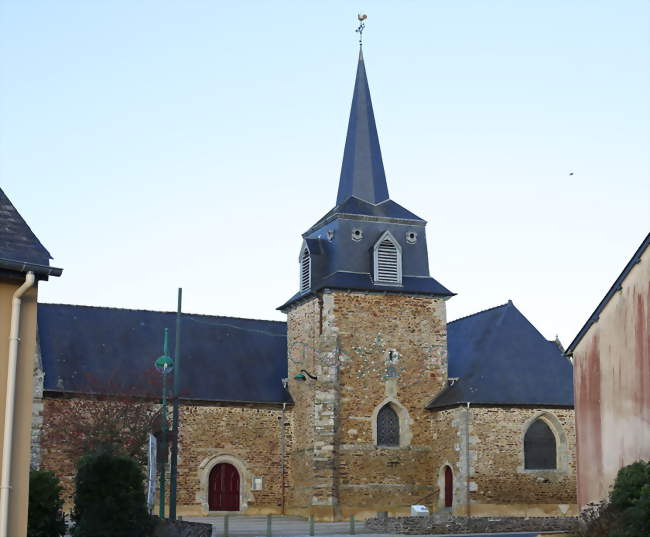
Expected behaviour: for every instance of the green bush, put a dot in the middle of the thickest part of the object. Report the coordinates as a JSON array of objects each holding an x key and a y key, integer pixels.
[
  {"x": 110, "y": 499},
  {"x": 45, "y": 517},
  {"x": 631, "y": 496}
]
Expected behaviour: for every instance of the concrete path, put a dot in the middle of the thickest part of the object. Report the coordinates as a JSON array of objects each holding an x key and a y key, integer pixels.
[{"x": 286, "y": 526}]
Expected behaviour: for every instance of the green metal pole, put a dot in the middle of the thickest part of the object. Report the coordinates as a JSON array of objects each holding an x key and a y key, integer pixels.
[
  {"x": 163, "y": 443},
  {"x": 268, "y": 526},
  {"x": 175, "y": 410},
  {"x": 352, "y": 529}
]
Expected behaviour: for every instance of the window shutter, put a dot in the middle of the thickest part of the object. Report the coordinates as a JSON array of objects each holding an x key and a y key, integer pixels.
[
  {"x": 387, "y": 262},
  {"x": 539, "y": 447},
  {"x": 305, "y": 270}
]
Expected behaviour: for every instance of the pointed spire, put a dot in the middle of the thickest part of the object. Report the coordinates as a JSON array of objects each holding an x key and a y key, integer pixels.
[{"x": 362, "y": 171}]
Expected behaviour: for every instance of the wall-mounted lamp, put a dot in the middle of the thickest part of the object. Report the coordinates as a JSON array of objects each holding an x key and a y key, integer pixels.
[{"x": 301, "y": 376}]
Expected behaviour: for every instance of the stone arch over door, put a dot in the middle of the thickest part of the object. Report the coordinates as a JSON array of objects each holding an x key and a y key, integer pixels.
[
  {"x": 446, "y": 484},
  {"x": 405, "y": 421},
  {"x": 206, "y": 469}
]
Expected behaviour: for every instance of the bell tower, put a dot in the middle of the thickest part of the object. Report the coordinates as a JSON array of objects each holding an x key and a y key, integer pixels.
[{"x": 367, "y": 343}]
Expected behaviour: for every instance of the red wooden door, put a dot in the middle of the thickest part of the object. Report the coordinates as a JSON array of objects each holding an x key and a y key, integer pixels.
[
  {"x": 223, "y": 494},
  {"x": 449, "y": 487}
]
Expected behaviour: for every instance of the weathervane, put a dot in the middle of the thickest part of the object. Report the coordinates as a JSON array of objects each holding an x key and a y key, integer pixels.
[{"x": 361, "y": 27}]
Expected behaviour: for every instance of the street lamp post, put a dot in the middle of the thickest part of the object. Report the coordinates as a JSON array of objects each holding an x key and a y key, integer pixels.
[{"x": 164, "y": 364}]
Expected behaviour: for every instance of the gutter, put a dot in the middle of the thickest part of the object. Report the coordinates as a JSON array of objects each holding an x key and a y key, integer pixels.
[
  {"x": 14, "y": 333},
  {"x": 21, "y": 266}
]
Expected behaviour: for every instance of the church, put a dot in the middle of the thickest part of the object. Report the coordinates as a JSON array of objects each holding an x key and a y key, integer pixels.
[{"x": 365, "y": 400}]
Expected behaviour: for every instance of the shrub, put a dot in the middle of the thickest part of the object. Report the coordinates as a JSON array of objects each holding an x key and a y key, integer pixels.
[
  {"x": 45, "y": 517},
  {"x": 109, "y": 498},
  {"x": 631, "y": 495}
]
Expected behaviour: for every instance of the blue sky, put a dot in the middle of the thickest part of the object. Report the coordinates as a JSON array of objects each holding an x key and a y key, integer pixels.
[{"x": 152, "y": 145}]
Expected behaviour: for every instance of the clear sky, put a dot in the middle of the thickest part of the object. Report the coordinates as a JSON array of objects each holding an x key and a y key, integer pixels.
[{"x": 158, "y": 144}]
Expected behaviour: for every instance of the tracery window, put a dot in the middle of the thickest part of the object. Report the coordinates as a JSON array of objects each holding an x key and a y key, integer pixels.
[
  {"x": 387, "y": 427},
  {"x": 540, "y": 451}
]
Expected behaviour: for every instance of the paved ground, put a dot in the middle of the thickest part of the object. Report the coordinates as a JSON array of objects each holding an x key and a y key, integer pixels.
[{"x": 253, "y": 526}]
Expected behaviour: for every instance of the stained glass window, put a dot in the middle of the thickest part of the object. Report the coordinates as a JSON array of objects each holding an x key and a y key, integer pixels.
[{"x": 387, "y": 427}]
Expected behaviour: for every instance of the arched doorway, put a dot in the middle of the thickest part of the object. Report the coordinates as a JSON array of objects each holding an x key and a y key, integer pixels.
[
  {"x": 449, "y": 487},
  {"x": 223, "y": 489}
]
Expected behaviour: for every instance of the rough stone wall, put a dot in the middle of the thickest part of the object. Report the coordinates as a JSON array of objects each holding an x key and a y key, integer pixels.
[
  {"x": 304, "y": 329},
  {"x": 612, "y": 387},
  {"x": 423, "y": 525},
  {"x": 53, "y": 457},
  {"x": 367, "y": 350},
  {"x": 499, "y": 483},
  {"x": 448, "y": 444},
  {"x": 249, "y": 437},
  {"x": 37, "y": 409}
]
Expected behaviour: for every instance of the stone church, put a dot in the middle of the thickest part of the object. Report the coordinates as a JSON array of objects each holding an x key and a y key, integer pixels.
[{"x": 366, "y": 400}]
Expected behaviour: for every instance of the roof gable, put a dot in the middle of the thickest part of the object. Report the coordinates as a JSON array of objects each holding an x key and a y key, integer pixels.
[
  {"x": 500, "y": 358},
  {"x": 17, "y": 240}
]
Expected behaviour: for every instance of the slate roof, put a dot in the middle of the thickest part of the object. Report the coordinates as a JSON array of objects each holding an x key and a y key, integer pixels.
[
  {"x": 106, "y": 350},
  {"x": 363, "y": 282},
  {"x": 341, "y": 242},
  {"x": 20, "y": 249},
  {"x": 617, "y": 286},
  {"x": 362, "y": 170},
  {"x": 501, "y": 359}
]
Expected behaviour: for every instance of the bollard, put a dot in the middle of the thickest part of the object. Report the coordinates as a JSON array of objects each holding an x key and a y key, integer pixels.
[
  {"x": 311, "y": 525},
  {"x": 352, "y": 532},
  {"x": 226, "y": 526},
  {"x": 268, "y": 525}
]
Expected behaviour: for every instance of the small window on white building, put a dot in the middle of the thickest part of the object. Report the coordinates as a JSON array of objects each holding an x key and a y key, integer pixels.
[
  {"x": 305, "y": 270},
  {"x": 388, "y": 260}
]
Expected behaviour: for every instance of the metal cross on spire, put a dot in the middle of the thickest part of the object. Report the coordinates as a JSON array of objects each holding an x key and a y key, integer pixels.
[{"x": 361, "y": 27}]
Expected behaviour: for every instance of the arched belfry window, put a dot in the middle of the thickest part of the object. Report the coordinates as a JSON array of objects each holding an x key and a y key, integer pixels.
[
  {"x": 388, "y": 260},
  {"x": 387, "y": 427},
  {"x": 539, "y": 447},
  {"x": 305, "y": 270}
]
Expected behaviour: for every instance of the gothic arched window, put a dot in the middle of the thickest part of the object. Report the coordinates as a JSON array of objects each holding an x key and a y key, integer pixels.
[
  {"x": 539, "y": 447},
  {"x": 305, "y": 270},
  {"x": 388, "y": 260},
  {"x": 387, "y": 427}
]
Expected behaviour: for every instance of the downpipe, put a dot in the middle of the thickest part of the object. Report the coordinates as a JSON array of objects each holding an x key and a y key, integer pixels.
[{"x": 14, "y": 339}]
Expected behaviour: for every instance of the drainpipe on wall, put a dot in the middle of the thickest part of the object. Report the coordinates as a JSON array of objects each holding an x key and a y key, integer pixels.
[
  {"x": 467, "y": 467},
  {"x": 14, "y": 333}
]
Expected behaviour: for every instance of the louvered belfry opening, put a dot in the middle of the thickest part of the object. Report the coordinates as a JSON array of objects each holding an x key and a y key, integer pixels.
[
  {"x": 539, "y": 447},
  {"x": 387, "y": 427},
  {"x": 305, "y": 270},
  {"x": 388, "y": 262}
]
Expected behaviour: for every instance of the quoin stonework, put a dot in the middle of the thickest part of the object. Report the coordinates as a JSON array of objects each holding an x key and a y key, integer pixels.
[{"x": 366, "y": 400}]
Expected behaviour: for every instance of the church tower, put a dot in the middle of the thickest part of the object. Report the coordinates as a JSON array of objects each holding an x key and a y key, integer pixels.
[{"x": 367, "y": 344}]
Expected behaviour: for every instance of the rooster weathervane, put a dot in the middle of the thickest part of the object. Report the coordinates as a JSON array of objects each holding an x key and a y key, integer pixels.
[{"x": 361, "y": 27}]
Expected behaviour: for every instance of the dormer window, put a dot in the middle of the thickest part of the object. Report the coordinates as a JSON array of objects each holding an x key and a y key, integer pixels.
[
  {"x": 305, "y": 270},
  {"x": 388, "y": 260}
]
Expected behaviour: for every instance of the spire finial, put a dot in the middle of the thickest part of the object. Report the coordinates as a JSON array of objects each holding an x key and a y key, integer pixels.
[{"x": 361, "y": 27}]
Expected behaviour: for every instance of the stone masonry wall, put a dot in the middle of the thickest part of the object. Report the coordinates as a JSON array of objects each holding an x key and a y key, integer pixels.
[
  {"x": 37, "y": 410},
  {"x": 367, "y": 350},
  {"x": 250, "y": 438},
  {"x": 499, "y": 484},
  {"x": 448, "y": 442},
  {"x": 247, "y": 436}
]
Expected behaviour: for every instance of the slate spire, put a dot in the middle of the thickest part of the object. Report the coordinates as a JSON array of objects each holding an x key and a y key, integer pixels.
[{"x": 362, "y": 171}]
